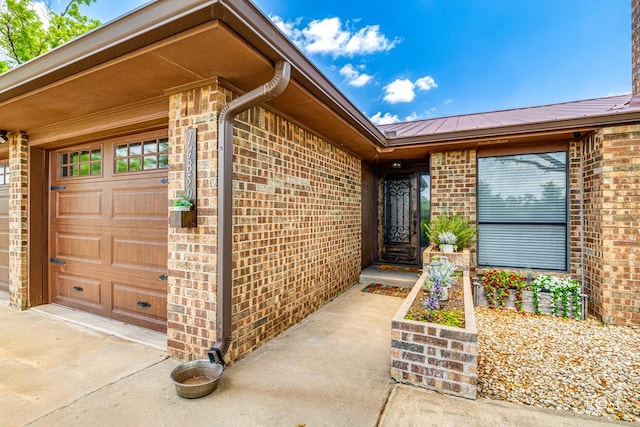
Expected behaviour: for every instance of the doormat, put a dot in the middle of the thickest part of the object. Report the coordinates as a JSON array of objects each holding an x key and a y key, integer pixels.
[
  {"x": 400, "y": 268},
  {"x": 392, "y": 291}
]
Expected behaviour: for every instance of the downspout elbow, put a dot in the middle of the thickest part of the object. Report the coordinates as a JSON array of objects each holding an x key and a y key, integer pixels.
[{"x": 261, "y": 94}]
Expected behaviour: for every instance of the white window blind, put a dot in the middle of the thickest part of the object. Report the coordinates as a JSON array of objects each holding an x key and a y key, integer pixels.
[{"x": 522, "y": 211}]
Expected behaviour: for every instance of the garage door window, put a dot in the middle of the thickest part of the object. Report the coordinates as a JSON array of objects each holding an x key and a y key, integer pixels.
[
  {"x": 80, "y": 163},
  {"x": 4, "y": 173},
  {"x": 138, "y": 156}
]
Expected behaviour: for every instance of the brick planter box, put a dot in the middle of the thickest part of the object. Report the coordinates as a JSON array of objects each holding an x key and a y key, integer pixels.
[
  {"x": 462, "y": 259},
  {"x": 436, "y": 357}
]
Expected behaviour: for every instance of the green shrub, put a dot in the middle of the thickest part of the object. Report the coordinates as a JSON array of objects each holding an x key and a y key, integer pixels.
[{"x": 464, "y": 230}]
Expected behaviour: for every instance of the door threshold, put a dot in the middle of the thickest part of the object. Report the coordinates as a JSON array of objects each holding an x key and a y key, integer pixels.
[{"x": 117, "y": 328}]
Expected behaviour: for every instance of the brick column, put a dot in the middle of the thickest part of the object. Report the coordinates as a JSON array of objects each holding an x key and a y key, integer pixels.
[
  {"x": 453, "y": 183},
  {"x": 191, "y": 310},
  {"x": 18, "y": 181},
  {"x": 612, "y": 229}
]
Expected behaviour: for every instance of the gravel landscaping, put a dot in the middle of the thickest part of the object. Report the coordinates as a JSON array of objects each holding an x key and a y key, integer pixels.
[{"x": 580, "y": 366}]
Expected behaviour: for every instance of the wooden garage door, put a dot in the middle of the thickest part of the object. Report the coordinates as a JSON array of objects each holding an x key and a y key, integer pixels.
[
  {"x": 108, "y": 228},
  {"x": 4, "y": 226}
]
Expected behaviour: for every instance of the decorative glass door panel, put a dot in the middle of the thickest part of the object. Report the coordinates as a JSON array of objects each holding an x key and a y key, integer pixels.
[{"x": 398, "y": 219}]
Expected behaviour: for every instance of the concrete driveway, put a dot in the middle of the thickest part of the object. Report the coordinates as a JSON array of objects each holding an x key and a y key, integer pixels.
[{"x": 329, "y": 370}]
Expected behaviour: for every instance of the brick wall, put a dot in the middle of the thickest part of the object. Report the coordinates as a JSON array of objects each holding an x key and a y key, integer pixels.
[
  {"x": 296, "y": 228},
  {"x": 592, "y": 166},
  {"x": 18, "y": 186},
  {"x": 191, "y": 297},
  {"x": 453, "y": 183},
  {"x": 453, "y": 186},
  {"x": 576, "y": 217},
  {"x": 614, "y": 264}
]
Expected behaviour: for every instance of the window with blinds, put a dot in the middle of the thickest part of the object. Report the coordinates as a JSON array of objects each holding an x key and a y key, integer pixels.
[{"x": 522, "y": 211}]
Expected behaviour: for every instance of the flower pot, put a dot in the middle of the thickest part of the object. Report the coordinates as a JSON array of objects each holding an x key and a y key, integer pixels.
[
  {"x": 180, "y": 208},
  {"x": 447, "y": 249}
]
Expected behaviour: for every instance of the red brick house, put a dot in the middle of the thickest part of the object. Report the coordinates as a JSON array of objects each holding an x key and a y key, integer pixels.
[{"x": 292, "y": 185}]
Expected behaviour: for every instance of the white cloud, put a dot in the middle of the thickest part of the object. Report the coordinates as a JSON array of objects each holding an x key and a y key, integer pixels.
[
  {"x": 411, "y": 117},
  {"x": 404, "y": 90},
  {"x": 386, "y": 119},
  {"x": 448, "y": 101},
  {"x": 426, "y": 83},
  {"x": 355, "y": 77},
  {"x": 400, "y": 90},
  {"x": 330, "y": 36},
  {"x": 288, "y": 28}
]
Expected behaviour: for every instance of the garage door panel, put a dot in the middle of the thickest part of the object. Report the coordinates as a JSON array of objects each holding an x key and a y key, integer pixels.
[
  {"x": 141, "y": 303},
  {"x": 4, "y": 272},
  {"x": 78, "y": 205},
  {"x": 139, "y": 254},
  {"x": 148, "y": 205},
  {"x": 81, "y": 290},
  {"x": 4, "y": 236},
  {"x": 78, "y": 246}
]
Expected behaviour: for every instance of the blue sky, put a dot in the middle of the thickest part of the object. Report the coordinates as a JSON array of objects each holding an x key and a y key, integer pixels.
[{"x": 418, "y": 59}]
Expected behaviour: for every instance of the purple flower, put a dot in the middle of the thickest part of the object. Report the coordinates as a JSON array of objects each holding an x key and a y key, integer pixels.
[
  {"x": 433, "y": 303},
  {"x": 436, "y": 289}
]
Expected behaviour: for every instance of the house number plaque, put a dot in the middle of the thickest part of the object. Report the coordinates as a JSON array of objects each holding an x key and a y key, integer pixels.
[{"x": 190, "y": 170}]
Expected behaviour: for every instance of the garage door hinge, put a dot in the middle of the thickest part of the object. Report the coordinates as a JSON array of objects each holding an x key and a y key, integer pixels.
[
  {"x": 164, "y": 181},
  {"x": 56, "y": 261},
  {"x": 163, "y": 277},
  {"x": 57, "y": 187}
]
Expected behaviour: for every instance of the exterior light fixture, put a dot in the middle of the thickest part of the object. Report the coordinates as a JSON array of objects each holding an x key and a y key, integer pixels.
[
  {"x": 396, "y": 164},
  {"x": 3, "y": 136}
]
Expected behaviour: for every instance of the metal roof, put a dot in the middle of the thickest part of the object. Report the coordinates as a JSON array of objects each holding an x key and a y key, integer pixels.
[{"x": 547, "y": 116}]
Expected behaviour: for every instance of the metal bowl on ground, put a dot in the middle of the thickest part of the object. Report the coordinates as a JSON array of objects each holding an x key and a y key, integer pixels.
[{"x": 196, "y": 378}]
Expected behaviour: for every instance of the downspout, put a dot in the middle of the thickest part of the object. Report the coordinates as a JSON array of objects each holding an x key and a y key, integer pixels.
[{"x": 261, "y": 94}]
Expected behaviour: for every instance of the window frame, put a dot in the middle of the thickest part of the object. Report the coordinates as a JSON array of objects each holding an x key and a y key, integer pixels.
[
  {"x": 140, "y": 156},
  {"x": 567, "y": 201},
  {"x": 5, "y": 173}
]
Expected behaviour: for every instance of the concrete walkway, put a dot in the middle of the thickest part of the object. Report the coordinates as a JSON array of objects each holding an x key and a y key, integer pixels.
[{"x": 330, "y": 370}]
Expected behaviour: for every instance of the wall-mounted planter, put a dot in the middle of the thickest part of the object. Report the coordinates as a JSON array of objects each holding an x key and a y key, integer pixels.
[
  {"x": 182, "y": 217},
  {"x": 433, "y": 356}
]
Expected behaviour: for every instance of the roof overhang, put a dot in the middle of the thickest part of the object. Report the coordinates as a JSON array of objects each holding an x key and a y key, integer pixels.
[
  {"x": 173, "y": 43},
  {"x": 134, "y": 61}
]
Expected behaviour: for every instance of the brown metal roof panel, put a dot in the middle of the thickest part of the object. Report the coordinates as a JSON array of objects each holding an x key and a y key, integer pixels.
[{"x": 516, "y": 117}]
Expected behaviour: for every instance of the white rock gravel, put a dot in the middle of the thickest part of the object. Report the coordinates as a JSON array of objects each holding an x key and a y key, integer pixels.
[{"x": 571, "y": 365}]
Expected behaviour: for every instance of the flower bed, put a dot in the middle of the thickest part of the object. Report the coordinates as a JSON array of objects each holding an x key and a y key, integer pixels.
[
  {"x": 433, "y": 356},
  {"x": 556, "y": 296}
]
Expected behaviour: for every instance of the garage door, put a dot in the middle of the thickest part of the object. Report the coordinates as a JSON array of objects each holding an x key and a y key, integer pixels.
[
  {"x": 4, "y": 226},
  {"x": 108, "y": 228}
]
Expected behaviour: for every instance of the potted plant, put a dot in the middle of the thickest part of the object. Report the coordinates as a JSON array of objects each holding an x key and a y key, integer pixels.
[
  {"x": 447, "y": 242},
  {"x": 460, "y": 227},
  {"x": 182, "y": 214},
  {"x": 182, "y": 204},
  {"x": 439, "y": 279}
]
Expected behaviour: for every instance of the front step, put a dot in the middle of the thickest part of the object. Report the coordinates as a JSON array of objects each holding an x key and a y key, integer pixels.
[{"x": 403, "y": 279}]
